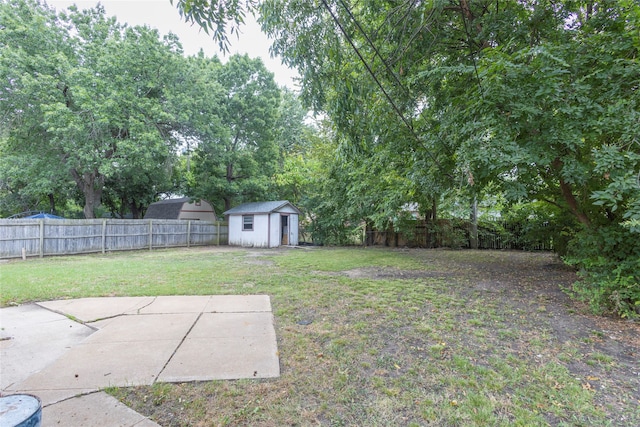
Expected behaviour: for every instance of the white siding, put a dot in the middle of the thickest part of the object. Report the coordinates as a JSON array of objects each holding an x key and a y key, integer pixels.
[
  {"x": 258, "y": 237},
  {"x": 235, "y": 230}
]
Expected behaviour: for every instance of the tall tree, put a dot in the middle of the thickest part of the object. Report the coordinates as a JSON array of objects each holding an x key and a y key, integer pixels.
[
  {"x": 100, "y": 89},
  {"x": 30, "y": 36},
  {"x": 295, "y": 139},
  {"x": 235, "y": 161}
]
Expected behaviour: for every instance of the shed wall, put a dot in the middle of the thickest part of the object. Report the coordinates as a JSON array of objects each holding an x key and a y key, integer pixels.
[
  {"x": 258, "y": 237},
  {"x": 267, "y": 229}
]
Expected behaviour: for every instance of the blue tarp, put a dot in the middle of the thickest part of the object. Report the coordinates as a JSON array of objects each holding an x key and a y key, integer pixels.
[{"x": 44, "y": 215}]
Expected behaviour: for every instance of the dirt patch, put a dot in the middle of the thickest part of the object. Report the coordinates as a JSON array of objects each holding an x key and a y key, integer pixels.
[
  {"x": 390, "y": 273},
  {"x": 534, "y": 285}
]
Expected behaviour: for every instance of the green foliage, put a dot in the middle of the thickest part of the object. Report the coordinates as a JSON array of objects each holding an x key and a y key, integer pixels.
[
  {"x": 116, "y": 108},
  {"x": 536, "y": 101},
  {"x": 218, "y": 17},
  {"x": 608, "y": 260},
  {"x": 101, "y": 116},
  {"x": 236, "y": 158},
  {"x": 536, "y": 223}
]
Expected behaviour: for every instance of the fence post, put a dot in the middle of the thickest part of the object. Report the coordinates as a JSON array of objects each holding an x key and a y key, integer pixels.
[
  {"x": 217, "y": 233},
  {"x": 41, "y": 238},
  {"x": 104, "y": 235},
  {"x": 189, "y": 233},
  {"x": 150, "y": 234}
]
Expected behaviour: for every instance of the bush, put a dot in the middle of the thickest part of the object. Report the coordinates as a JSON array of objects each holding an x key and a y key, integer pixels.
[
  {"x": 608, "y": 262},
  {"x": 538, "y": 225}
]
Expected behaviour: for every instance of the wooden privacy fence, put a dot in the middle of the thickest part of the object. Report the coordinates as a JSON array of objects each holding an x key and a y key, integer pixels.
[
  {"x": 40, "y": 237},
  {"x": 457, "y": 234}
]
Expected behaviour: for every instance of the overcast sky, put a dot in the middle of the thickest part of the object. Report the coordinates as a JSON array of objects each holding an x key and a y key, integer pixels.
[{"x": 162, "y": 15}]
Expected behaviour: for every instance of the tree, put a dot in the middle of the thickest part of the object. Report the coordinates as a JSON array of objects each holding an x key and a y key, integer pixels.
[
  {"x": 100, "y": 90},
  {"x": 536, "y": 100},
  {"x": 28, "y": 182},
  {"x": 28, "y": 33},
  {"x": 295, "y": 139},
  {"x": 220, "y": 17},
  {"x": 236, "y": 158}
]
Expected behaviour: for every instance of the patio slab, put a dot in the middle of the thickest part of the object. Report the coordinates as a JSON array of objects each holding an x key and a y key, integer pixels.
[
  {"x": 226, "y": 325},
  {"x": 138, "y": 341},
  {"x": 203, "y": 359},
  {"x": 176, "y": 304},
  {"x": 92, "y": 309},
  {"x": 93, "y": 410},
  {"x": 33, "y": 338},
  {"x": 238, "y": 304},
  {"x": 226, "y": 346}
]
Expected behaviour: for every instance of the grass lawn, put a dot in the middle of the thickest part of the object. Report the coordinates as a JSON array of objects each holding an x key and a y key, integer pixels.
[{"x": 378, "y": 336}]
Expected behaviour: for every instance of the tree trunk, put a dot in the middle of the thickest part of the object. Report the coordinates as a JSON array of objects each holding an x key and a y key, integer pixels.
[
  {"x": 135, "y": 209},
  {"x": 230, "y": 172},
  {"x": 473, "y": 235},
  {"x": 52, "y": 203},
  {"x": 90, "y": 183},
  {"x": 432, "y": 218},
  {"x": 434, "y": 210},
  {"x": 567, "y": 193}
]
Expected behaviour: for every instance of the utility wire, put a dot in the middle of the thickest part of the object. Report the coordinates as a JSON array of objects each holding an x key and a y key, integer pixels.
[
  {"x": 386, "y": 94},
  {"x": 375, "y": 49},
  {"x": 368, "y": 67}
]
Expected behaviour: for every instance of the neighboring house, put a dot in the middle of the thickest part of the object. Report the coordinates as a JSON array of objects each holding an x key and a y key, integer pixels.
[
  {"x": 263, "y": 224},
  {"x": 184, "y": 208}
]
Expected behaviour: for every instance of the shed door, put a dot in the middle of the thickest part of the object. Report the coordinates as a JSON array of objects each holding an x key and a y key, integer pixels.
[{"x": 284, "y": 227}]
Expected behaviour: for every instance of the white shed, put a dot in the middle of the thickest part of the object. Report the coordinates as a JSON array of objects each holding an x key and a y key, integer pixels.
[{"x": 263, "y": 224}]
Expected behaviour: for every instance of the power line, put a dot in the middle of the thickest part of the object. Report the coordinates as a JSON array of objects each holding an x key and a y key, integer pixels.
[
  {"x": 375, "y": 78},
  {"x": 364, "y": 62},
  {"x": 375, "y": 49}
]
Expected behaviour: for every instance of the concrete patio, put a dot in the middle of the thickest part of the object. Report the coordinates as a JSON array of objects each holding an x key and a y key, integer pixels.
[{"x": 67, "y": 351}]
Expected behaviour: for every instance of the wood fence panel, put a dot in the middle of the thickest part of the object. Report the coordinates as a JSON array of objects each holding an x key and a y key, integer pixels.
[
  {"x": 29, "y": 237},
  {"x": 456, "y": 234},
  {"x": 126, "y": 235},
  {"x": 18, "y": 235}
]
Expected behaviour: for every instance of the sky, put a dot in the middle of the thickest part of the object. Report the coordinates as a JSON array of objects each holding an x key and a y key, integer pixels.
[{"x": 165, "y": 17}]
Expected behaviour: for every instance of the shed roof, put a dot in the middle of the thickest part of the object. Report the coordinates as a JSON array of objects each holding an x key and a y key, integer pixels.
[
  {"x": 260, "y": 207},
  {"x": 166, "y": 209}
]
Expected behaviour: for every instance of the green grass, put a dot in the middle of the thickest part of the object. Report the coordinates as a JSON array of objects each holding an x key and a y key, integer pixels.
[
  {"x": 174, "y": 272},
  {"x": 382, "y": 347},
  {"x": 341, "y": 259}
]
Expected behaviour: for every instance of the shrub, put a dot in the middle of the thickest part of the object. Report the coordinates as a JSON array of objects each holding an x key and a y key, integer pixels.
[{"x": 608, "y": 262}]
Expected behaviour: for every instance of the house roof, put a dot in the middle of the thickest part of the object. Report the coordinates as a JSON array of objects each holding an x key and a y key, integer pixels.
[
  {"x": 166, "y": 209},
  {"x": 260, "y": 207}
]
